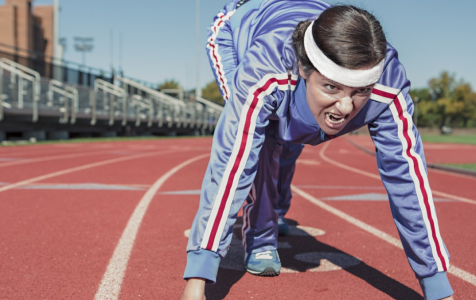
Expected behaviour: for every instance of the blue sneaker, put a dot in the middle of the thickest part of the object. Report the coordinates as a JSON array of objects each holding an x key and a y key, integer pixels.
[
  {"x": 264, "y": 263},
  {"x": 283, "y": 227}
]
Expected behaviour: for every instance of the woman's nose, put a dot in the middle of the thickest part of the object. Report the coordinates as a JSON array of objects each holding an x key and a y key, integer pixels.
[{"x": 345, "y": 105}]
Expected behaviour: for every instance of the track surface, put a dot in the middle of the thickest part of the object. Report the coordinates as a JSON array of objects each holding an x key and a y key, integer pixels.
[{"x": 109, "y": 221}]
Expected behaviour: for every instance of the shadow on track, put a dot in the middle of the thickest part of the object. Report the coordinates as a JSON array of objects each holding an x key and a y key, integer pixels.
[{"x": 300, "y": 252}]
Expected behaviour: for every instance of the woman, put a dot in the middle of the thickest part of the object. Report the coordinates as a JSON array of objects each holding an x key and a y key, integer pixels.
[{"x": 287, "y": 80}]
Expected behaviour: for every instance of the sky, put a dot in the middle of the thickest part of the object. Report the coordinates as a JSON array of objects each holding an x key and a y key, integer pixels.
[{"x": 159, "y": 37}]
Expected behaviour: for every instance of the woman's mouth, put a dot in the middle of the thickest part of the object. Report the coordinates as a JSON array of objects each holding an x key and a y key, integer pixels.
[{"x": 334, "y": 119}]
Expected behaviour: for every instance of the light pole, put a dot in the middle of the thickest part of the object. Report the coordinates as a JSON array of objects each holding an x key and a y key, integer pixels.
[
  {"x": 83, "y": 44},
  {"x": 56, "y": 25},
  {"x": 198, "y": 92},
  {"x": 58, "y": 47}
]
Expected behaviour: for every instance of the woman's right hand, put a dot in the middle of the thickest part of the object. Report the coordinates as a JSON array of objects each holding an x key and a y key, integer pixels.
[{"x": 194, "y": 289}]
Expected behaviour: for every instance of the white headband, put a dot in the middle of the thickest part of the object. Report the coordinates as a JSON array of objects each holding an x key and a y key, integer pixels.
[{"x": 328, "y": 68}]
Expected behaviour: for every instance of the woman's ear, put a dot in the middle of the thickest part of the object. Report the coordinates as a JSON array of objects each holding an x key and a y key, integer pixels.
[{"x": 301, "y": 72}]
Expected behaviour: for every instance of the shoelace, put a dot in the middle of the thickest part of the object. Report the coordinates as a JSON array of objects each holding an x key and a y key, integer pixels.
[{"x": 264, "y": 255}]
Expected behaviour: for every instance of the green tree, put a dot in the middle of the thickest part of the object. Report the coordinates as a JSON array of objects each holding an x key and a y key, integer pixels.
[
  {"x": 169, "y": 84},
  {"x": 425, "y": 108},
  {"x": 466, "y": 102},
  {"x": 454, "y": 100},
  {"x": 211, "y": 92}
]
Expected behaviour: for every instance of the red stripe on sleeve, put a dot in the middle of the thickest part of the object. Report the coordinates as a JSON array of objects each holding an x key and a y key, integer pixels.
[
  {"x": 383, "y": 94},
  {"x": 237, "y": 162},
  {"x": 420, "y": 179}
]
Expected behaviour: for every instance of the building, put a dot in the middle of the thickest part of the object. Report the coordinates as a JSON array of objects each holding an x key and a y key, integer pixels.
[{"x": 26, "y": 33}]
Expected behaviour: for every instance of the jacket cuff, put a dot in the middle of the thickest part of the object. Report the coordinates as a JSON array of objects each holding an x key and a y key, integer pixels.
[
  {"x": 202, "y": 264},
  {"x": 436, "y": 287}
]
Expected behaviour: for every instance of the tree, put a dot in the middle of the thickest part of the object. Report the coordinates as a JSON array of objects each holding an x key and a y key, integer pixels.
[
  {"x": 466, "y": 101},
  {"x": 441, "y": 90},
  {"x": 211, "y": 92},
  {"x": 454, "y": 100},
  {"x": 426, "y": 108},
  {"x": 169, "y": 84}
]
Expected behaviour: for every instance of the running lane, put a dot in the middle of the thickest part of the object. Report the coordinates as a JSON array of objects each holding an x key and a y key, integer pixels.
[
  {"x": 454, "y": 216},
  {"x": 57, "y": 241}
]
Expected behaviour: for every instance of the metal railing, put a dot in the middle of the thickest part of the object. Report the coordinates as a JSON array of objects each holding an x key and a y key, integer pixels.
[
  {"x": 110, "y": 94},
  {"x": 140, "y": 104},
  {"x": 168, "y": 108},
  {"x": 23, "y": 91},
  {"x": 20, "y": 76},
  {"x": 67, "y": 101},
  {"x": 211, "y": 113}
]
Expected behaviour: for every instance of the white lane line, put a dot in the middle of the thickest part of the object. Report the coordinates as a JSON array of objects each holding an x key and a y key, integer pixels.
[
  {"x": 47, "y": 149},
  {"x": 368, "y": 151},
  {"x": 371, "y": 175},
  {"x": 380, "y": 234},
  {"x": 454, "y": 197},
  {"x": 80, "y": 186},
  {"x": 80, "y": 168},
  {"x": 341, "y": 187},
  {"x": 73, "y": 155},
  {"x": 111, "y": 282},
  {"x": 53, "y": 157},
  {"x": 448, "y": 173},
  {"x": 468, "y": 277}
]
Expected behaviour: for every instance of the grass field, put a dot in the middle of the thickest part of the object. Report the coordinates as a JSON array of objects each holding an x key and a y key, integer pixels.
[
  {"x": 457, "y": 139},
  {"x": 471, "y": 167},
  {"x": 89, "y": 140}
]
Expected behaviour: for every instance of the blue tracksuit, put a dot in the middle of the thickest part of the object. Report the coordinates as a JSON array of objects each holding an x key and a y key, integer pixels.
[{"x": 250, "y": 46}]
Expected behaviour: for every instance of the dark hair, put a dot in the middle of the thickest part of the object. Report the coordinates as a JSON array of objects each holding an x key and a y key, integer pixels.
[{"x": 349, "y": 36}]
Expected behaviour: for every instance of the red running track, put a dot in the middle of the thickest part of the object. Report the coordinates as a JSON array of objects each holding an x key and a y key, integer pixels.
[{"x": 109, "y": 221}]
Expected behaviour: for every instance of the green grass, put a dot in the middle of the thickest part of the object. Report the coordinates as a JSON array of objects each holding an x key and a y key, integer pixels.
[
  {"x": 471, "y": 167},
  {"x": 93, "y": 140},
  {"x": 456, "y": 139}
]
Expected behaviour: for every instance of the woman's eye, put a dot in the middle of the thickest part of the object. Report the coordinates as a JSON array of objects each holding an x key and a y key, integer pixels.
[
  {"x": 330, "y": 87},
  {"x": 363, "y": 90}
]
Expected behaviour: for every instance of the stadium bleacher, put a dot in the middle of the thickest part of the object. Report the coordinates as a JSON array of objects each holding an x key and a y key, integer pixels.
[{"x": 32, "y": 106}]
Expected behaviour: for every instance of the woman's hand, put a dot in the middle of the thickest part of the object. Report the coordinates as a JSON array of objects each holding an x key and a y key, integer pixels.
[{"x": 194, "y": 289}]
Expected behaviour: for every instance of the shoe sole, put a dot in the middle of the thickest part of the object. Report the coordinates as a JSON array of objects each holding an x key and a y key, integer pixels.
[{"x": 268, "y": 272}]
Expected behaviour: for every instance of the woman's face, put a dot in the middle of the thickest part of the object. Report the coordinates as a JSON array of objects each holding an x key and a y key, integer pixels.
[{"x": 333, "y": 104}]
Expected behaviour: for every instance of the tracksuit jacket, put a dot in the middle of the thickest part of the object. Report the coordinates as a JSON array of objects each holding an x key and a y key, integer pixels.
[{"x": 251, "y": 53}]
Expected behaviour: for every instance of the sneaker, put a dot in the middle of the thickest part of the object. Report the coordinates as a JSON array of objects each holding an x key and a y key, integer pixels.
[
  {"x": 265, "y": 263},
  {"x": 283, "y": 227}
]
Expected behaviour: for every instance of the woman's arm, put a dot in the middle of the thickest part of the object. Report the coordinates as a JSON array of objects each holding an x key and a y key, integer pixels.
[
  {"x": 402, "y": 167},
  {"x": 260, "y": 83},
  {"x": 194, "y": 289}
]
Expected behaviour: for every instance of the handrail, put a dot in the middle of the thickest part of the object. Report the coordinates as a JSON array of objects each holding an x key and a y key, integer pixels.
[
  {"x": 144, "y": 104},
  {"x": 23, "y": 73},
  {"x": 25, "y": 53},
  {"x": 178, "y": 106},
  {"x": 179, "y": 92},
  {"x": 149, "y": 90},
  {"x": 140, "y": 102},
  {"x": 209, "y": 103},
  {"x": 108, "y": 88},
  {"x": 67, "y": 92}
]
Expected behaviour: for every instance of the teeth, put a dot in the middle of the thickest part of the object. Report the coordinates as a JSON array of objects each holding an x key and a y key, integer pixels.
[{"x": 334, "y": 119}]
